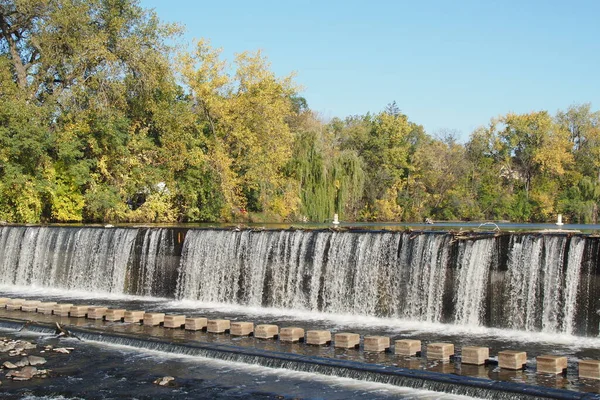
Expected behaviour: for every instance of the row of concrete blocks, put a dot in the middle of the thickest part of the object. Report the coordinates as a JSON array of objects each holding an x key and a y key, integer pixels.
[{"x": 507, "y": 359}]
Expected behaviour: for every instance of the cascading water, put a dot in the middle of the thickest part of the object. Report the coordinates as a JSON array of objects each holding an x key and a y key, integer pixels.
[{"x": 532, "y": 282}]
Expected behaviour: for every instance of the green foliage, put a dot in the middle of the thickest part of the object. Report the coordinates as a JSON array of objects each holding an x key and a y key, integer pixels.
[{"x": 96, "y": 127}]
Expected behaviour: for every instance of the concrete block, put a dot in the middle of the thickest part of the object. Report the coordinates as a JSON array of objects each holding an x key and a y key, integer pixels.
[
  {"x": 114, "y": 314},
  {"x": 266, "y": 331},
  {"x": 134, "y": 316},
  {"x": 474, "y": 355},
  {"x": 376, "y": 344},
  {"x": 291, "y": 334},
  {"x": 241, "y": 328},
  {"x": 78, "y": 311},
  {"x": 512, "y": 359},
  {"x": 46, "y": 308},
  {"x": 407, "y": 347},
  {"x": 4, "y": 301},
  {"x": 174, "y": 321},
  {"x": 547, "y": 364},
  {"x": 30, "y": 305},
  {"x": 440, "y": 351},
  {"x": 218, "y": 325},
  {"x": 14, "y": 304},
  {"x": 154, "y": 319},
  {"x": 346, "y": 340},
  {"x": 589, "y": 369},
  {"x": 97, "y": 312},
  {"x": 196, "y": 324},
  {"x": 62, "y": 309},
  {"x": 318, "y": 338}
]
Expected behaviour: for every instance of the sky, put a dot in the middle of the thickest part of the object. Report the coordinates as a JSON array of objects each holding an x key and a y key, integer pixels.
[{"x": 450, "y": 66}]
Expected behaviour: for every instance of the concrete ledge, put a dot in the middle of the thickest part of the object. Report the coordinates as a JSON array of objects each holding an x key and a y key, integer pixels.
[
  {"x": 291, "y": 334},
  {"x": 114, "y": 315},
  {"x": 218, "y": 325},
  {"x": 474, "y": 355},
  {"x": 154, "y": 319},
  {"x": 78, "y": 311},
  {"x": 376, "y": 344},
  {"x": 14, "y": 304},
  {"x": 512, "y": 359},
  {"x": 30, "y": 305},
  {"x": 440, "y": 351},
  {"x": 174, "y": 321},
  {"x": 46, "y": 308},
  {"x": 239, "y": 328},
  {"x": 134, "y": 316},
  {"x": 548, "y": 364},
  {"x": 266, "y": 331},
  {"x": 407, "y": 347},
  {"x": 388, "y": 374},
  {"x": 62, "y": 309},
  {"x": 346, "y": 340},
  {"x": 589, "y": 369},
  {"x": 196, "y": 324},
  {"x": 318, "y": 338},
  {"x": 96, "y": 312}
]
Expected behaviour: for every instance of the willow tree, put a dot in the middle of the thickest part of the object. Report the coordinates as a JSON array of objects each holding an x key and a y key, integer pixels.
[{"x": 244, "y": 108}]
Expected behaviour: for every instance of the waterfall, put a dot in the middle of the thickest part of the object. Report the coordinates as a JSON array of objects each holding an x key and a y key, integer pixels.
[{"x": 529, "y": 282}]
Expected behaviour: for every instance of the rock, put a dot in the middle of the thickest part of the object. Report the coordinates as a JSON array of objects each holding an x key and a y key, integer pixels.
[
  {"x": 34, "y": 360},
  {"x": 164, "y": 381},
  {"x": 23, "y": 345},
  {"x": 5, "y": 347},
  {"x": 61, "y": 350},
  {"x": 24, "y": 374},
  {"x": 9, "y": 365},
  {"x": 22, "y": 362}
]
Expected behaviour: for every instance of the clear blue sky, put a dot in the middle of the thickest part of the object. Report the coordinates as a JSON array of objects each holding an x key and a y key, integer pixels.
[{"x": 448, "y": 64}]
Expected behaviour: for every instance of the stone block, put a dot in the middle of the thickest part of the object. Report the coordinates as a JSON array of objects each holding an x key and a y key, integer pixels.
[
  {"x": 97, "y": 312},
  {"x": 440, "y": 351},
  {"x": 266, "y": 331},
  {"x": 114, "y": 314},
  {"x": 291, "y": 334},
  {"x": 196, "y": 324},
  {"x": 46, "y": 308},
  {"x": 154, "y": 319},
  {"x": 239, "y": 328},
  {"x": 407, "y": 347},
  {"x": 30, "y": 305},
  {"x": 589, "y": 369},
  {"x": 134, "y": 316},
  {"x": 548, "y": 364},
  {"x": 78, "y": 311},
  {"x": 62, "y": 309},
  {"x": 14, "y": 304},
  {"x": 346, "y": 340},
  {"x": 174, "y": 321},
  {"x": 318, "y": 338},
  {"x": 512, "y": 359},
  {"x": 474, "y": 355},
  {"x": 4, "y": 301},
  {"x": 376, "y": 344},
  {"x": 218, "y": 325}
]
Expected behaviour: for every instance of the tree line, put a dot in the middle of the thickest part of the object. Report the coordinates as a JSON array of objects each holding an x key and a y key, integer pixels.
[{"x": 104, "y": 119}]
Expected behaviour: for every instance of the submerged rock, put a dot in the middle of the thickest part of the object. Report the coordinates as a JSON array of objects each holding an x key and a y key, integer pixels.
[
  {"x": 164, "y": 381},
  {"x": 24, "y": 374},
  {"x": 61, "y": 350},
  {"x": 34, "y": 360},
  {"x": 22, "y": 362},
  {"x": 9, "y": 365}
]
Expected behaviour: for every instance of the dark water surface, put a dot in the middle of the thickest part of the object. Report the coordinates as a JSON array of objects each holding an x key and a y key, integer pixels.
[{"x": 94, "y": 371}]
